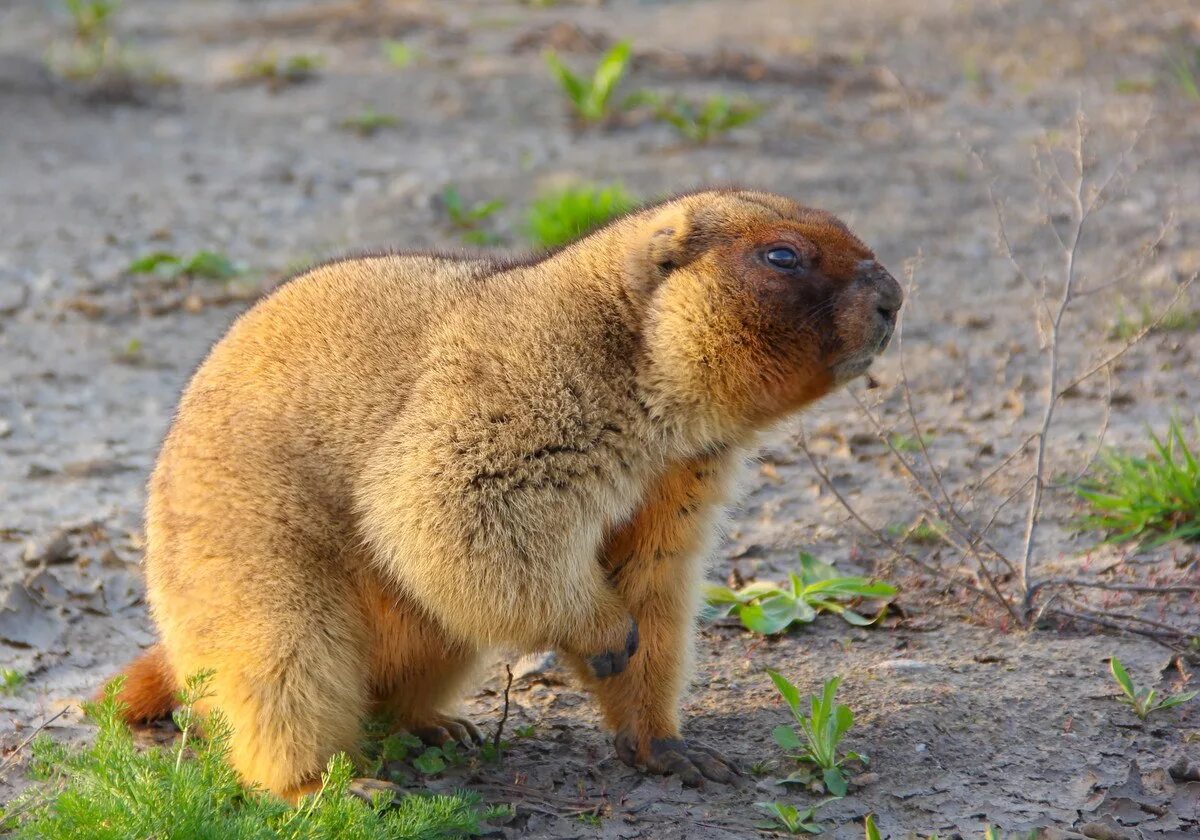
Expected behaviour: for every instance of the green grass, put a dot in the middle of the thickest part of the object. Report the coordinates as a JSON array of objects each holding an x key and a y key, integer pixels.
[
  {"x": 1185, "y": 70},
  {"x": 591, "y": 96},
  {"x": 368, "y": 122},
  {"x": 208, "y": 265},
  {"x": 922, "y": 532},
  {"x": 398, "y": 53},
  {"x": 768, "y": 608},
  {"x": 469, "y": 219},
  {"x": 1150, "y": 498},
  {"x": 94, "y": 54},
  {"x": 112, "y": 791},
  {"x": 276, "y": 70},
  {"x": 559, "y": 217},
  {"x": 1175, "y": 319},
  {"x": 703, "y": 122},
  {"x": 11, "y": 681}
]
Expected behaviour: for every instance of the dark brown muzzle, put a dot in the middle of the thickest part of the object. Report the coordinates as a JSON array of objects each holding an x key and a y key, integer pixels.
[{"x": 888, "y": 299}]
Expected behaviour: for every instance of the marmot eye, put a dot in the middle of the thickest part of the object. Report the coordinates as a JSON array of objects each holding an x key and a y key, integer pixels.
[{"x": 782, "y": 258}]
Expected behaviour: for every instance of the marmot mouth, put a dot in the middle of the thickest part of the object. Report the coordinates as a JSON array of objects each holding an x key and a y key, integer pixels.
[{"x": 850, "y": 368}]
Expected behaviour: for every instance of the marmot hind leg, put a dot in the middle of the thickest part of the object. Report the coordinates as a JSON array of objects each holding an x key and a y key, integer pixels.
[
  {"x": 288, "y": 660},
  {"x": 418, "y": 673}
]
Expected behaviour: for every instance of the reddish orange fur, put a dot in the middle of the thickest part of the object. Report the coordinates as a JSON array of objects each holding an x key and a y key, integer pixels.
[{"x": 148, "y": 692}]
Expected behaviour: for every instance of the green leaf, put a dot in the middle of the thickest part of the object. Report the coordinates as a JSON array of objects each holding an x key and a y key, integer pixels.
[
  {"x": 843, "y": 720},
  {"x": 1122, "y": 677},
  {"x": 872, "y": 833},
  {"x": 813, "y": 570},
  {"x": 773, "y": 614},
  {"x": 1176, "y": 700},
  {"x": 151, "y": 262},
  {"x": 210, "y": 265},
  {"x": 790, "y": 693},
  {"x": 786, "y": 738},
  {"x": 834, "y": 781},
  {"x": 608, "y": 74}
]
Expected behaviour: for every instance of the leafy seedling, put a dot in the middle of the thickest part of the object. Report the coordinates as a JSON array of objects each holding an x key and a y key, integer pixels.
[
  {"x": 11, "y": 680},
  {"x": 591, "y": 98},
  {"x": 398, "y": 53},
  {"x": 560, "y": 217},
  {"x": 789, "y": 818},
  {"x": 277, "y": 71},
  {"x": 1185, "y": 69},
  {"x": 209, "y": 265},
  {"x": 1150, "y": 499},
  {"x": 469, "y": 220},
  {"x": 1144, "y": 702},
  {"x": 822, "y": 728},
  {"x": 768, "y": 608},
  {"x": 368, "y": 122},
  {"x": 702, "y": 122}
]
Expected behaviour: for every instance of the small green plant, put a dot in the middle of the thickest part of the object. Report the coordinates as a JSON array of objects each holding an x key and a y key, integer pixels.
[
  {"x": 559, "y": 217},
  {"x": 701, "y": 122},
  {"x": 209, "y": 265},
  {"x": 1175, "y": 319},
  {"x": 906, "y": 444},
  {"x": 1144, "y": 701},
  {"x": 1185, "y": 69},
  {"x": 112, "y": 790},
  {"x": 822, "y": 728},
  {"x": 398, "y": 53},
  {"x": 870, "y": 831},
  {"x": 94, "y": 53},
  {"x": 591, "y": 98},
  {"x": 131, "y": 353},
  {"x": 277, "y": 71},
  {"x": 11, "y": 680},
  {"x": 924, "y": 531},
  {"x": 525, "y": 731},
  {"x": 789, "y": 818},
  {"x": 368, "y": 122},
  {"x": 1151, "y": 499},
  {"x": 768, "y": 608},
  {"x": 469, "y": 220}
]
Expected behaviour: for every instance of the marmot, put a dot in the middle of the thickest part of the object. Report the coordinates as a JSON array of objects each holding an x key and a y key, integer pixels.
[{"x": 395, "y": 462}]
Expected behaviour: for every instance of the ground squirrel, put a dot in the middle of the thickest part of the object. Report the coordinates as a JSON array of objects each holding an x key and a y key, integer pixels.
[{"x": 395, "y": 462}]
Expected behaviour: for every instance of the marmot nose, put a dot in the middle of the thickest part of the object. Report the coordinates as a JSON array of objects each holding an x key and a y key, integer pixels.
[{"x": 889, "y": 295}]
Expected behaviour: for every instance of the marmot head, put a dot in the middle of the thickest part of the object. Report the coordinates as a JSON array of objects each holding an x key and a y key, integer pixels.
[{"x": 755, "y": 305}]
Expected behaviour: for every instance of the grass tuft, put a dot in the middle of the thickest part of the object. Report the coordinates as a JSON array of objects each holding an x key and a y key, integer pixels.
[
  {"x": 11, "y": 681},
  {"x": 112, "y": 791},
  {"x": 703, "y": 122},
  {"x": 368, "y": 122},
  {"x": 591, "y": 97},
  {"x": 1150, "y": 499},
  {"x": 559, "y": 217}
]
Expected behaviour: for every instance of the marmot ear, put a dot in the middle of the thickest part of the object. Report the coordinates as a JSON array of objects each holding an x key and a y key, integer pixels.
[{"x": 667, "y": 243}]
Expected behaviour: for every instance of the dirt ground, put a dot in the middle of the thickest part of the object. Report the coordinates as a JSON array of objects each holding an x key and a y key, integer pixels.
[{"x": 873, "y": 109}]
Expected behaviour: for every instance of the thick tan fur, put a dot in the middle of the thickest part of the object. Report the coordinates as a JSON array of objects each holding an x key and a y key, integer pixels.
[{"x": 396, "y": 462}]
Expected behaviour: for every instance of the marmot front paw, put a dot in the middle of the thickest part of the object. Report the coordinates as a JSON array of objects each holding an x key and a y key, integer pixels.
[
  {"x": 690, "y": 761},
  {"x": 615, "y": 661}
]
